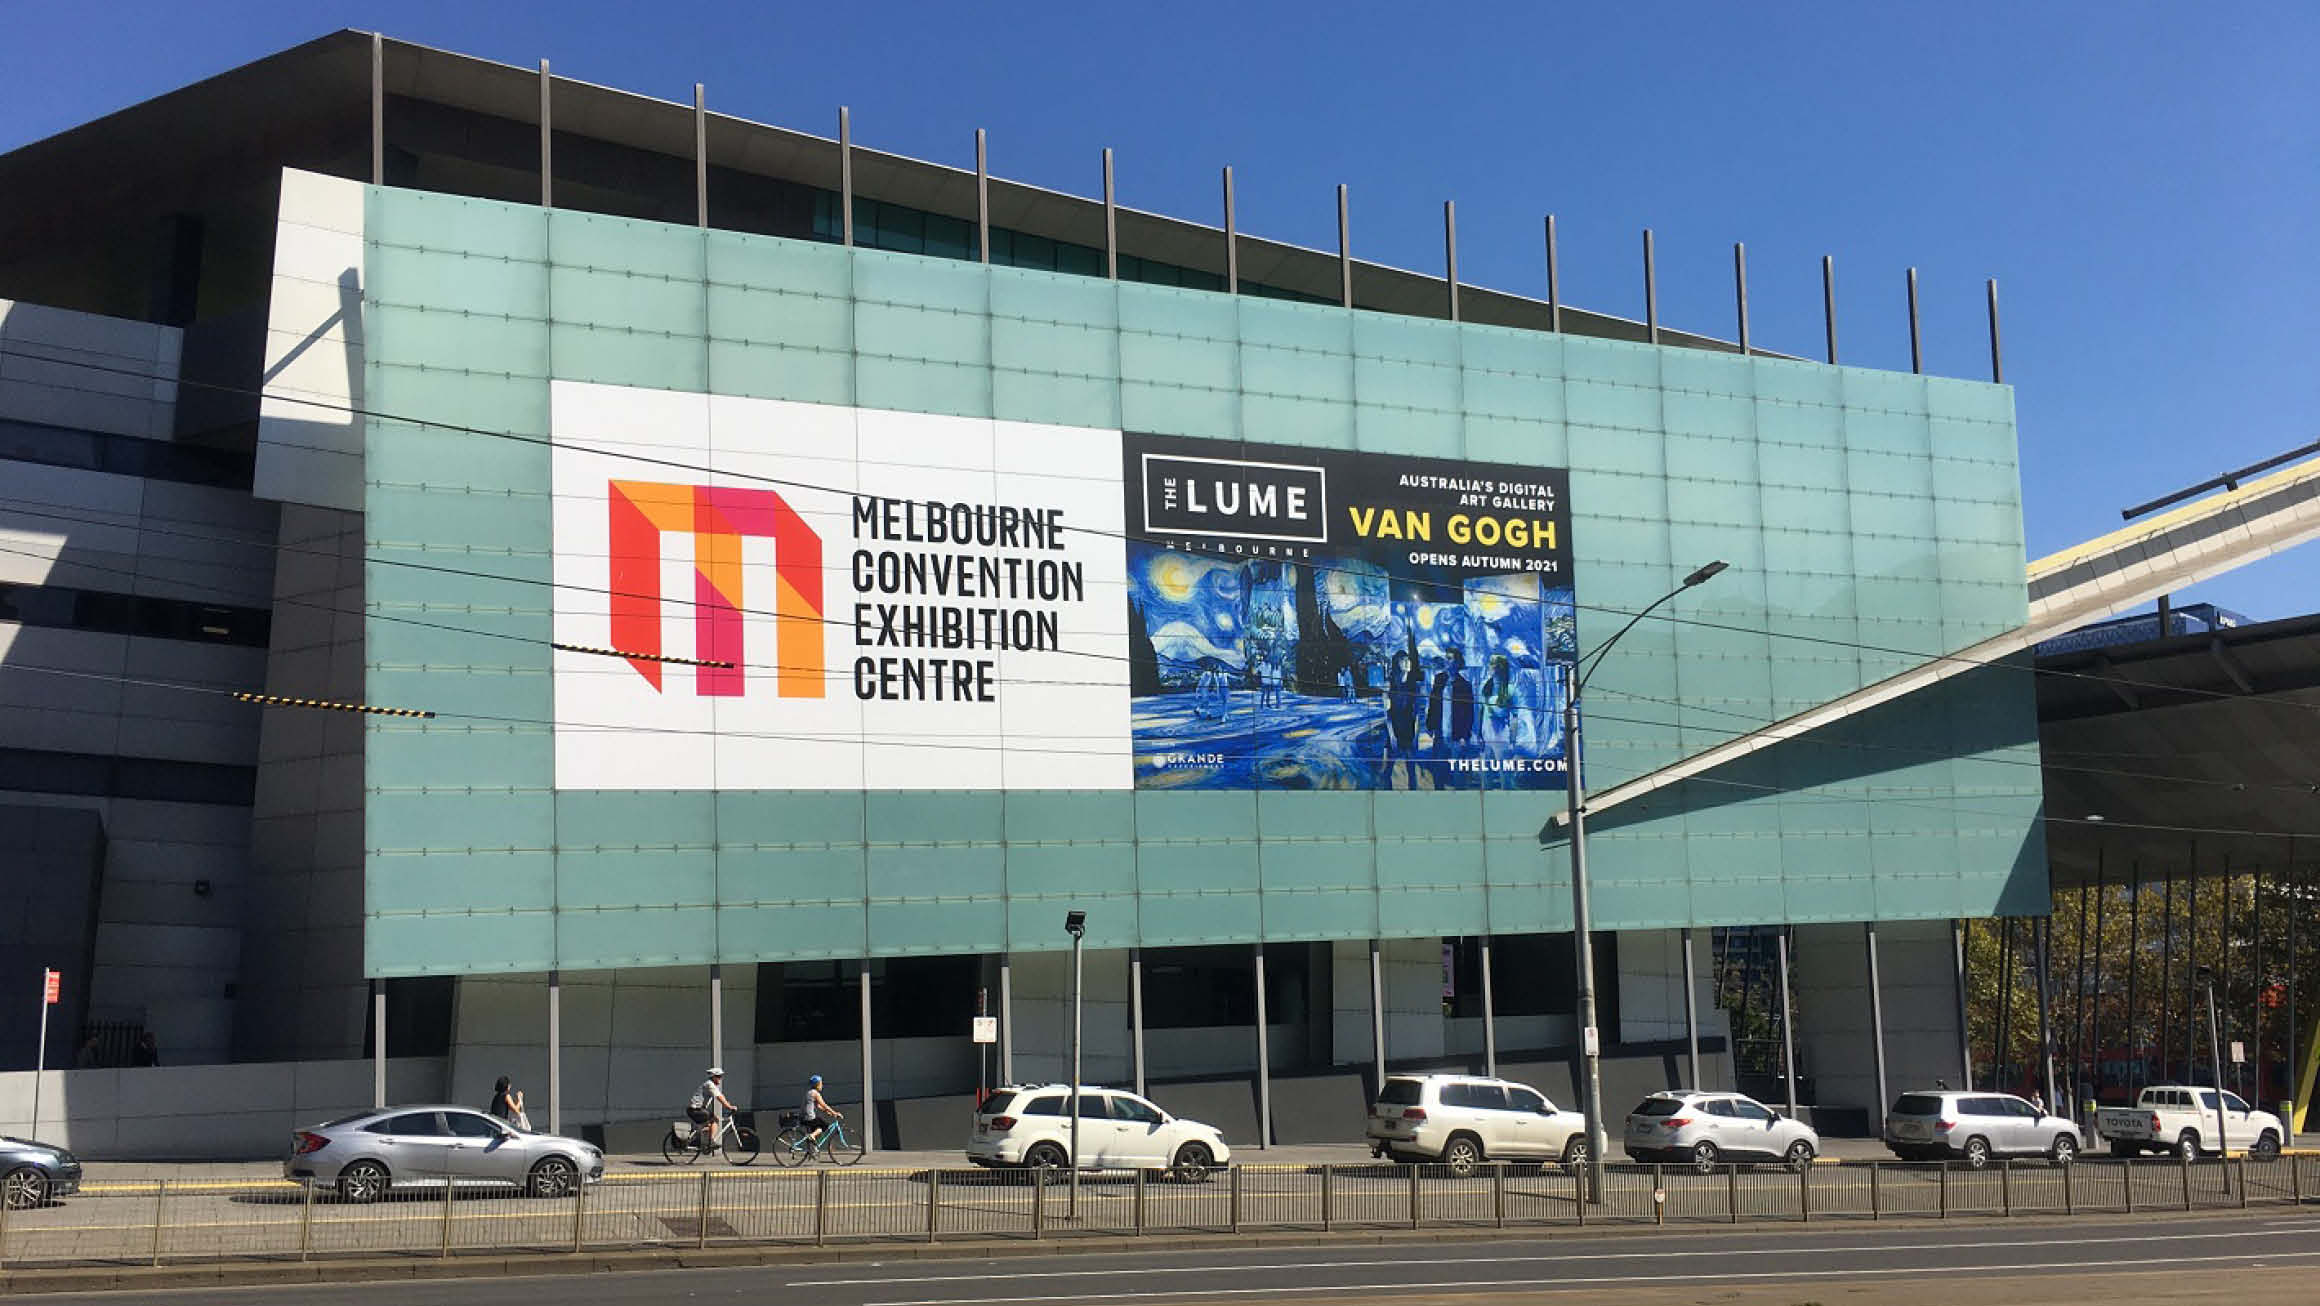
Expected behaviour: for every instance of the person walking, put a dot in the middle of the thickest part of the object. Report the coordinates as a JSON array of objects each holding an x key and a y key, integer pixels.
[{"x": 507, "y": 1102}]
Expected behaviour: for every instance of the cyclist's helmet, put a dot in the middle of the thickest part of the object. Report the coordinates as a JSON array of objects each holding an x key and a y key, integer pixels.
[
  {"x": 716, "y": 1072},
  {"x": 814, "y": 1081}
]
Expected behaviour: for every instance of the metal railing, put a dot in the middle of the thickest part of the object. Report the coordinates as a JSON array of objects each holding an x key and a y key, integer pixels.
[{"x": 193, "y": 1219}]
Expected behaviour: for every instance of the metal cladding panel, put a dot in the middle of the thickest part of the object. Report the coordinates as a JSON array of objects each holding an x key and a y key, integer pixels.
[{"x": 1872, "y": 521}]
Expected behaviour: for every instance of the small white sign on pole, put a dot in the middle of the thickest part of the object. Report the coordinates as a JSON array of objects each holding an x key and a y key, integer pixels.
[
  {"x": 2238, "y": 1053},
  {"x": 986, "y": 1029},
  {"x": 1593, "y": 1042}
]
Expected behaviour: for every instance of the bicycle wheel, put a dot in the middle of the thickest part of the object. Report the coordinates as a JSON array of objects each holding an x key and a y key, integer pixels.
[
  {"x": 844, "y": 1149},
  {"x": 789, "y": 1146},
  {"x": 675, "y": 1150},
  {"x": 740, "y": 1145}
]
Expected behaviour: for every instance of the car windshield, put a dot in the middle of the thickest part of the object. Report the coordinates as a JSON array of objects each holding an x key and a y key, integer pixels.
[
  {"x": 1917, "y": 1104},
  {"x": 1400, "y": 1092},
  {"x": 1658, "y": 1106}
]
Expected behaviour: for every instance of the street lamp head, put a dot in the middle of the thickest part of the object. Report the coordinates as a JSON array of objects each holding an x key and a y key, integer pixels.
[
  {"x": 1706, "y": 573},
  {"x": 1075, "y": 923},
  {"x": 2207, "y": 976}
]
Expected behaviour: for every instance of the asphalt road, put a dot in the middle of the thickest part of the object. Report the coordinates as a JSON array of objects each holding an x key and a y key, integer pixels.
[{"x": 2248, "y": 1259}]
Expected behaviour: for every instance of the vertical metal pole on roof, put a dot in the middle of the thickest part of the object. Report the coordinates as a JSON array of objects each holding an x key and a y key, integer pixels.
[
  {"x": 547, "y": 152},
  {"x": 983, "y": 196},
  {"x": 555, "y": 1052},
  {"x": 1829, "y": 301},
  {"x": 1916, "y": 339},
  {"x": 716, "y": 1015},
  {"x": 378, "y": 109},
  {"x": 1997, "y": 355},
  {"x": 846, "y": 175},
  {"x": 1740, "y": 291},
  {"x": 1489, "y": 1016},
  {"x": 869, "y": 1091},
  {"x": 379, "y": 1044},
  {"x": 1136, "y": 1014},
  {"x": 1232, "y": 243},
  {"x": 1006, "y": 1018},
  {"x": 1264, "y": 1059},
  {"x": 1377, "y": 1012},
  {"x": 1450, "y": 252},
  {"x": 1876, "y": 1023},
  {"x": 1554, "y": 279},
  {"x": 1111, "y": 223},
  {"x": 1692, "y": 1014},
  {"x": 1651, "y": 296},
  {"x": 700, "y": 155},
  {"x": 1957, "y": 945},
  {"x": 1344, "y": 251},
  {"x": 1787, "y": 1024}
]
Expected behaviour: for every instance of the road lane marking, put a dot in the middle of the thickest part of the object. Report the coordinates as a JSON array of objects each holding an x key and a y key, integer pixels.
[
  {"x": 1549, "y": 1284},
  {"x": 1654, "y": 1253}
]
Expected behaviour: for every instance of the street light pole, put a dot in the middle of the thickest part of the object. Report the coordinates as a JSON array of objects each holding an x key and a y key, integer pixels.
[
  {"x": 1582, "y": 919},
  {"x": 2215, "y": 1058},
  {"x": 1075, "y": 924}
]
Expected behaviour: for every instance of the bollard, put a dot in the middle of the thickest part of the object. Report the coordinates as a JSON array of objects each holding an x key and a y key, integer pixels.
[
  {"x": 1498, "y": 1195},
  {"x": 2069, "y": 1203},
  {"x": 1038, "y": 1201},
  {"x": 2186, "y": 1159},
  {"x": 160, "y": 1213},
  {"x": 1804, "y": 1194},
  {"x": 1945, "y": 1190},
  {"x": 2295, "y": 1191},
  {"x": 1414, "y": 1199},
  {"x": 822, "y": 1206},
  {"x": 2240, "y": 1164},
  {"x": 1328, "y": 1207},
  {"x": 934, "y": 1202},
  {"x": 305, "y": 1223},
  {"x": 449, "y": 1188},
  {"x": 1579, "y": 1191},
  {"x": 1233, "y": 1199},
  {"x": 2006, "y": 1187},
  {"x": 1732, "y": 1191},
  {"x": 1876, "y": 1205},
  {"x": 1139, "y": 1203},
  {"x": 1658, "y": 1194},
  {"x": 701, "y": 1217},
  {"x": 3, "y": 1234},
  {"x": 2127, "y": 1181},
  {"x": 579, "y": 1204}
]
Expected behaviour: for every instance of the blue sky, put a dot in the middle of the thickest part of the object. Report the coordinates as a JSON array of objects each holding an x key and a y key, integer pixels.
[{"x": 2140, "y": 178}]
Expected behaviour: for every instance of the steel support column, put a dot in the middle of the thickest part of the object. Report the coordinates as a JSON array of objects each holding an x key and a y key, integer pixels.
[
  {"x": 1377, "y": 1012},
  {"x": 1232, "y": 240},
  {"x": 982, "y": 196},
  {"x": 1554, "y": 280},
  {"x": 2042, "y": 930},
  {"x": 1450, "y": 252},
  {"x": 1876, "y": 1018},
  {"x": 1787, "y": 1024},
  {"x": 1006, "y": 1018},
  {"x": 1264, "y": 1059},
  {"x": 1111, "y": 222},
  {"x": 1691, "y": 1013},
  {"x": 1344, "y": 251},
  {"x": 378, "y": 109},
  {"x": 379, "y": 1044},
  {"x": 846, "y": 176},
  {"x": 1650, "y": 294},
  {"x": 1136, "y": 1015},
  {"x": 1740, "y": 291},
  {"x": 547, "y": 141},
  {"x": 1489, "y": 1016},
  {"x": 700, "y": 155},
  {"x": 869, "y": 1090},
  {"x": 1957, "y": 946},
  {"x": 716, "y": 1015},
  {"x": 555, "y": 1052}
]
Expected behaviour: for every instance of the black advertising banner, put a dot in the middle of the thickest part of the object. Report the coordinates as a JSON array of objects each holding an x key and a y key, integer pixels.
[{"x": 1312, "y": 619}]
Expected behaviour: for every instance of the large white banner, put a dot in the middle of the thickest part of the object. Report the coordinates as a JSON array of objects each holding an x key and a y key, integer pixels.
[{"x": 905, "y": 601}]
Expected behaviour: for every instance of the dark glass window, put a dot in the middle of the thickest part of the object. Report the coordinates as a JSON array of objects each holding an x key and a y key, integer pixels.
[
  {"x": 468, "y": 1125},
  {"x": 1530, "y": 974},
  {"x": 43, "y": 771},
  {"x": 64, "y": 607},
  {"x": 1045, "y": 1106},
  {"x": 1486, "y": 1097},
  {"x": 1917, "y": 1104},
  {"x": 1519, "y": 1098},
  {"x": 1134, "y": 1110},
  {"x": 997, "y": 1103},
  {"x": 1400, "y": 1092},
  {"x": 123, "y": 455},
  {"x": 1200, "y": 988},
  {"x": 1749, "y": 1110},
  {"x": 910, "y": 997},
  {"x": 1657, "y": 1106},
  {"x": 423, "y": 1124}
]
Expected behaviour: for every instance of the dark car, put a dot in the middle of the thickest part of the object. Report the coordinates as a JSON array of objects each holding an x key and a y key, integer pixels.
[{"x": 32, "y": 1174}]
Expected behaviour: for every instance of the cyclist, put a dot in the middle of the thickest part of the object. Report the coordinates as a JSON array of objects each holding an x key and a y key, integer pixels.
[
  {"x": 819, "y": 1114},
  {"x": 703, "y": 1109}
]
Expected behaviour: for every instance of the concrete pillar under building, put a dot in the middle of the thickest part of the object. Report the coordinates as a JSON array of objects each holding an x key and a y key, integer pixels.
[
  {"x": 1006, "y": 1018},
  {"x": 1691, "y": 1015},
  {"x": 555, "y": 1052},
  {"x": 869, "y": 1122},
  {"x": 1264, "y": 1058},
  {"x": 1916, "y": 1015},
  {"x": 1136, "y": 1014},
  {"x": 378, "y": 1045},
  {"x": 1876, "y": 1024},
  {"x": 1489, "y": 1016},
  {"x": 1377, "y": 1014},
  {"x": 716, "y": 1015}
]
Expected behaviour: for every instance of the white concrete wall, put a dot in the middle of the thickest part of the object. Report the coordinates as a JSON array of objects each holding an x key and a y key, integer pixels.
[
  {"x": 1832, "y": 1010},
  {"x": 1043, "y": 1018},
  {"x": 114, "y": 390},
  {"x": 635, "y": 1042},
  {"x": 1415, "y": 1025},
  {"x": 197, "y": 1113}
]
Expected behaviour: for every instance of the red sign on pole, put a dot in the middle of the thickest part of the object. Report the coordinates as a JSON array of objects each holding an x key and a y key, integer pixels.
[{"x": 52, "y": 984}]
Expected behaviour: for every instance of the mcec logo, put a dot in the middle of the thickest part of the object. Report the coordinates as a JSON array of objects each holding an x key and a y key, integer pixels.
[
  {"x": 718, "y": 518},
  {"x": 1225, "y": 496}
]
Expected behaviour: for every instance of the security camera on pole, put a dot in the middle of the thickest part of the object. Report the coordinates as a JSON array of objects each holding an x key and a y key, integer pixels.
[
  {"x": 1582, "y": 922},
  {"x": 1075, "y": 924}
]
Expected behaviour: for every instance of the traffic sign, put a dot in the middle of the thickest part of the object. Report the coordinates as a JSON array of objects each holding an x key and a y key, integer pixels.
[
  {"x": 2238, "y": 1053},
  {"x": 51, "y": 987},
  {"x": 986, "y": 1029}
]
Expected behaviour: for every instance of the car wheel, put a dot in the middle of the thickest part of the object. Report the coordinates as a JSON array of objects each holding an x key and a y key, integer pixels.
[
  {"x": 363, "y": 1181},
  {"x": 1192, "y": 1164},
  {"x": 2064, "y": 1151},
  {"x": 1045, "y": 1156},
  {"x": 2267, "y": 1148},
  {"x": 1577, "y": 1153},
  {"x": 1977, "y": 1153},
  {"x": 1705, "y": 1157},
  {"x": 1462, "y": 1155},
  {"x": 23, "y": 1188},
  {"x": 2187, "y": 1145},
  {"x": 1800, "y": 1155},
  {"x": 553, "y": 1177}
]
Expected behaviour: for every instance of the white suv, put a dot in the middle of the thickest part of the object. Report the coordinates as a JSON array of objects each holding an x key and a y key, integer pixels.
[
  {"x": 1031, "y": 1126},
  {"x": 1464, "y": 1120},
  {"x": 1712, "y": 1129}
]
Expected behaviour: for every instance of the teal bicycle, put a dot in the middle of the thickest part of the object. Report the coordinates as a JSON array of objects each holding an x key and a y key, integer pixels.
[{"x": 796, "y": 1144}]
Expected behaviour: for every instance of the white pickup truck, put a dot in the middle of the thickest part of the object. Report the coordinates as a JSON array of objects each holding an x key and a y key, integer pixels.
[{"x": 2179, "y": 1120}]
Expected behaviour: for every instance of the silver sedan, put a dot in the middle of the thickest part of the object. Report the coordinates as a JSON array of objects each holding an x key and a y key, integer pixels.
[{"x": 364, "y": 1156}]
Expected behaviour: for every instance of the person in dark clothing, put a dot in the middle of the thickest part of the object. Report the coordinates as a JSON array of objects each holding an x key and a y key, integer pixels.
[
  {"x": 147, "y": 1052},
  {"x": 507, "y": 1101},
  {"x": 1461, "y": 699},
  {"x": 1405, "y": 684}
]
